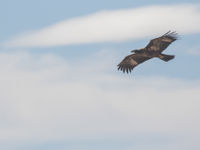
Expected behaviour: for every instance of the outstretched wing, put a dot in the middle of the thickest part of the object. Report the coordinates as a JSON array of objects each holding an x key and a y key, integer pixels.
[
  {"x": 161, "y": 43},
  {"x": 131, "y": 61}
]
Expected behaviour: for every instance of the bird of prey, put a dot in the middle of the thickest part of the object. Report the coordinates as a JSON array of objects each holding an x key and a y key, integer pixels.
[{"x": 153, "y": 49}]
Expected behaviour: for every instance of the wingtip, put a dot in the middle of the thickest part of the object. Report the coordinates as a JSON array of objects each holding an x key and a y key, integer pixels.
[
  {"x": 172, "y": 34},
  {"x": 124, "y": 70},
  {"x": 167, "y": 32}
]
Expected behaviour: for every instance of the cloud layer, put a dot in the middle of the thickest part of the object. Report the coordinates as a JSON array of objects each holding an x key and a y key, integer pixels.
[
  {"x": 44, "y": 99},
  {"x": 116, "y": 25}
]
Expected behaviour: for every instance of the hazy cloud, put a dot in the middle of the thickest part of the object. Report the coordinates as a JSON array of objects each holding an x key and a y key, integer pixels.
[
  {"x": 115, "y": 25},
  {"x": 43, "y": 99}
]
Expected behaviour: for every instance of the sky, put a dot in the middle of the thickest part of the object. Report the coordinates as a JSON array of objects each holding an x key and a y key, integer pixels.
[{"x": 60, "y": 87}]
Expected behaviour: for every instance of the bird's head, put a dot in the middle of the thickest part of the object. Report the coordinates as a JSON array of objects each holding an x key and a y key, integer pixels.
[{"x": 135, "y": 51}]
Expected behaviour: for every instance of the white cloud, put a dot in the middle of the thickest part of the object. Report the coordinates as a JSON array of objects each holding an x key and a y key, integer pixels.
[
  {"x": 43, "y": 98},
  {"x": 116, "y": 25}
]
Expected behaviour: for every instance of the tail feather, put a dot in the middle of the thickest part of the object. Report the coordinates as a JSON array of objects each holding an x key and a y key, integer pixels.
[{"x": 166, "y": 57}]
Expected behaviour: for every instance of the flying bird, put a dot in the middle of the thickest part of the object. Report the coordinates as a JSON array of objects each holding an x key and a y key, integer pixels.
[{"x": 154, "y": 49}]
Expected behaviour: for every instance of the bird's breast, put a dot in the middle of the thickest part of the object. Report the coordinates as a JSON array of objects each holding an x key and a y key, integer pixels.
[{"x": 151, "y": 54}]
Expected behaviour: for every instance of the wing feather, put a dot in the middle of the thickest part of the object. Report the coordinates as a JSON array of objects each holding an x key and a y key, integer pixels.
[
  {"x": 131, "y": 61},
  {"x": 161, "y": 43}
]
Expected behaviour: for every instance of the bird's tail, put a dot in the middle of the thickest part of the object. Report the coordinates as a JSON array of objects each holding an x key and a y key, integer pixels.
[{"x": 166, "y": 57}]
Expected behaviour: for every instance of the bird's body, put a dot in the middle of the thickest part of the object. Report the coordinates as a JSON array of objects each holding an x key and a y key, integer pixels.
[{"x": 153, "y": 49}]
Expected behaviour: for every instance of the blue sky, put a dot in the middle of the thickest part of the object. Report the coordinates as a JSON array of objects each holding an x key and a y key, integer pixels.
[{"x": 61, "y": 89}]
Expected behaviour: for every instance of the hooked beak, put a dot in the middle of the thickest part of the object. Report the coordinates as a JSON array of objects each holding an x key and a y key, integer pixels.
[{"x": 133, "y": 51}]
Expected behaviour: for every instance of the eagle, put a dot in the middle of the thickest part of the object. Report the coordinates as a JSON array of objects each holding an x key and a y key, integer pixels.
[{"x": 153, "y": 49}]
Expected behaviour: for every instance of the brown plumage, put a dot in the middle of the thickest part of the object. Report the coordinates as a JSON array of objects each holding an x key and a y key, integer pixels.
[{"x": 153, "y": 49}]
